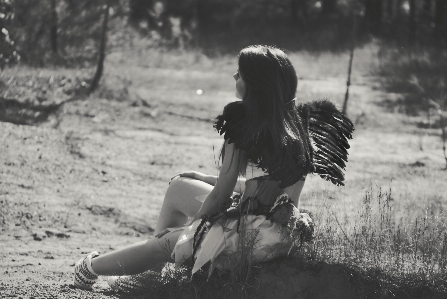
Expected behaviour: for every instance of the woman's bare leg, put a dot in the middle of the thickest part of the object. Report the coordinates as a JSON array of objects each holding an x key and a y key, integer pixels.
[
  {"x": 137, "y": 258},
  {"x": 182, "y": 200}
]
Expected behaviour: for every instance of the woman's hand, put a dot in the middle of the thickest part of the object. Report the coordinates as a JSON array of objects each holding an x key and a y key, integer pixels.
[
  {"x": 188, "y": 174},
  {"x": 162, "y": 233}
]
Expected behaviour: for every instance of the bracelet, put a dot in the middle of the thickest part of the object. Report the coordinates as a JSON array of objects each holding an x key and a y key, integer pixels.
[{"x": 206, "y": 219}]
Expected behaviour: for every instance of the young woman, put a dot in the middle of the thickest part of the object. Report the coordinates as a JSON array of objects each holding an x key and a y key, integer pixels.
[{"x": 250, "y": 210}]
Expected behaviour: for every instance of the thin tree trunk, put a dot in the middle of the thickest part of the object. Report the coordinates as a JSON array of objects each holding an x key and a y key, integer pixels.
[
  {"x": 412, "y": 23},
  {"x": 54, "y": 27},
  {"x": 294, "y": 11},
  {"x": 368, "y": 15},
  {"x": 444, "y": 136},
  {"x": 427, "y": 6},
  {"x": 196, "y": 26},
  {"x": 328, "y": 6},
  {"x": 390, "y": 9},
  {"x": 102, "y": 50},
  {"x": 440, "y": 18},
  {"x": 399, "y": 8},
  {"x": 379, "y": 16},
  {"x": 351, "y": 58},
  {"x": 373, "y": 15}
]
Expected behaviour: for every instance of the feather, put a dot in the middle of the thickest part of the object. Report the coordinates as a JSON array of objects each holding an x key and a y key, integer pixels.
[
  {"x": 324, "y": 125},
  {"x": 330, "y": 131}
]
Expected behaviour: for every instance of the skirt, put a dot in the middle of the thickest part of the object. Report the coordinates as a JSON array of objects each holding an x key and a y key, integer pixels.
[{"x": 229, "y": 241}]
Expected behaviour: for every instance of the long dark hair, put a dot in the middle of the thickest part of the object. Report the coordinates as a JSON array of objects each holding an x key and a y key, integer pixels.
[{"x": 271, "y": 82}]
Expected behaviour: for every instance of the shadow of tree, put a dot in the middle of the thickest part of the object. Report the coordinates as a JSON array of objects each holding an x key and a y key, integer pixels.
[{"x": 26, "y": 113}]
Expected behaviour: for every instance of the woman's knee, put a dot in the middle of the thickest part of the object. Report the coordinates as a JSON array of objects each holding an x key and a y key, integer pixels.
[
  {"x": 188, "y": 186},
  {"x": 178, "y": 188},
  {"x": 176, "y": 185},
  {"x": 178, "y": 180},
  {"x": 185, "y": 195}
]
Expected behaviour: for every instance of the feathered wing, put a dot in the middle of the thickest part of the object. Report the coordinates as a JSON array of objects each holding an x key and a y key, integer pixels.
[
  {"x": 329, "y": 131},
  {"x": 284, "y": 164}
]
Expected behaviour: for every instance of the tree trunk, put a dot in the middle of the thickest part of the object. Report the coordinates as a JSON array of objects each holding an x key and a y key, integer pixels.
[
  {"x": 390, "y": 9},
  {"x": 102, "y": 50},
  {"x": 379, "y": 16},
  {"x": 328, "y": 6},
  {"x": 412, "y": 23},
  {"x": 440, "y": 18},
  {"x": 196, "y": 22},
  {"x": 427, "y": 6},
  {"x": 398, "y": 8},
  {"x": 351, "y": 58},
  {"x": 299, "y": 11},
  {"x": 294, "y": 11},
  {"x": 373, "y": 15},
  {"x": 54, "y": 25}
]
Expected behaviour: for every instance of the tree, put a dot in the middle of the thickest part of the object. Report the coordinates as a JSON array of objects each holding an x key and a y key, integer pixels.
[
  {"x": 328, "y": 6},
  {"x": 54, "y": 27},
  {"x": 8, "y": 53},
  {"x": 351, "y": 58},
  {"x": 299, "y": 10},
  {"x": 412, "y": 23},
  {"x": 440, "y": 26},
  {"x": 427, "y": 6},
  {"x": 373, "y": 15},
  {"x": 398, "y": 8},
  {"x": 102, "y": 49},
  {"x": 390, "y": 9}
]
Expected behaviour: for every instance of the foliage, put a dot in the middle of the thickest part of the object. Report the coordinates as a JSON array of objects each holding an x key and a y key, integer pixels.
[
  {"x": 418, "y": 74},
  {"x": 72, "y": 28},
  {"x": 78, "y": 32},
  {"x": 8, "y": 53}
]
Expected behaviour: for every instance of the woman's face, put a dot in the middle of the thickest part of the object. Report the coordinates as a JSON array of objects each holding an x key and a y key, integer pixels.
[{"x": 240, "y": 85}]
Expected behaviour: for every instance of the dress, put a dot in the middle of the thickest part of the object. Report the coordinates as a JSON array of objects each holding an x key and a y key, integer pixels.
[{"x": 262, "y": 223}]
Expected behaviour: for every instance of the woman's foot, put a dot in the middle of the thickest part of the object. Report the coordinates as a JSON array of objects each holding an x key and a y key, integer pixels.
[{"x": 84, "y": 276}]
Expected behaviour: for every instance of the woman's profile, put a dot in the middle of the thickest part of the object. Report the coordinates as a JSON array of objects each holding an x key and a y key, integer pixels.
[{"x": 271, "y": 143}]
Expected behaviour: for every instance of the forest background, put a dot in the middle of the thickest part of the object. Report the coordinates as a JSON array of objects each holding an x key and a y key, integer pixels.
[{"x": 102, "y": 101}]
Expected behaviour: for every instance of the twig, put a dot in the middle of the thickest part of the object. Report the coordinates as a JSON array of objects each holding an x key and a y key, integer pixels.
[
  {"x": 344, "y": 233},
  {"x": 441, "y": 123},
  {"x": 430, "y": 101}
]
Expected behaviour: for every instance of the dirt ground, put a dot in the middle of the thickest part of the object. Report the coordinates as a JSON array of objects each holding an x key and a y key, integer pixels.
[{"x": 94, "y": 177}]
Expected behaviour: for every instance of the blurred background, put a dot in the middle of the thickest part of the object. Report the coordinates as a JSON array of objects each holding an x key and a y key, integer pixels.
[
  {"x": 71, "y": 30},
  {"x": 406, "y": 39}
]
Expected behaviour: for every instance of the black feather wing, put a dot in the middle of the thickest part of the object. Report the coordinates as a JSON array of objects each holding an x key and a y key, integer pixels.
[
  {"x": 330, "y": 131},
  {"x": 283, "y": 164}
]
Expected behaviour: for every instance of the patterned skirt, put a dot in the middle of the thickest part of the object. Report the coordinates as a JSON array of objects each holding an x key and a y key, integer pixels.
[{"x": 226, "y": 241}]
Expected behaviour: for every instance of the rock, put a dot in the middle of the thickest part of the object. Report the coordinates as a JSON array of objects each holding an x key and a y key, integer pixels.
[
  {"x": 39, "y": 235},
  {"x": 418, "y": 164},
  {"x": 56, "y": 233}
]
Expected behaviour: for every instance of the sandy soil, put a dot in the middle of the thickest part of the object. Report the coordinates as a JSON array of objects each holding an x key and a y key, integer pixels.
[{"x": 96, "y": 182}]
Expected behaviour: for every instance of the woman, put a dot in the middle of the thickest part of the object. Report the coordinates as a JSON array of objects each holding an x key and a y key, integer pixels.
[{"x": 249, "y": 212}]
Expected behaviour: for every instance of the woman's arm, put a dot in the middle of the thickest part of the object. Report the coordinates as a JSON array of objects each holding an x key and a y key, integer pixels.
[
  {"x": 294, "y": 192},
  {"x": 212, "y": 179},
  {"x": 224, "y": 184}
]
